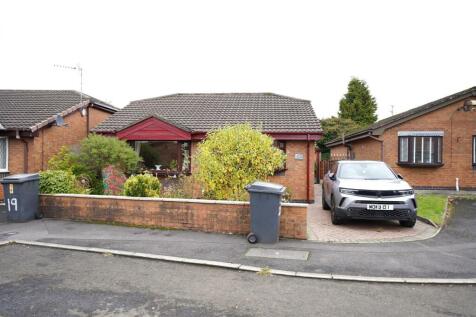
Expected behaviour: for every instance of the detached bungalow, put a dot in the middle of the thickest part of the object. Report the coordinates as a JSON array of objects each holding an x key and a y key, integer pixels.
[
  {"x": 432, "y": 146},
  {"x": 166, "y": 131},
  {"x": 35, "y": 124}
]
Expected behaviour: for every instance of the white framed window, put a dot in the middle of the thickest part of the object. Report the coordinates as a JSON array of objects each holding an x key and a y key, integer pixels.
[
  {"x": 3, "y": 154},
  {"x": 420, "y": 147}
]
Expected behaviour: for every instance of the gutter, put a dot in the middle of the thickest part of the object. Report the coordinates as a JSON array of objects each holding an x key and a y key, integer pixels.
[{"x": 359, "y": 136}]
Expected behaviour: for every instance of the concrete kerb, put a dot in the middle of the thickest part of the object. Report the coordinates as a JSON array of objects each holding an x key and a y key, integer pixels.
[{"x": 241, "y": 267}]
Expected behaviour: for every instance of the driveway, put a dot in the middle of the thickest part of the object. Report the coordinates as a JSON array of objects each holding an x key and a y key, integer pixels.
[{"x": 320, "y": 228}]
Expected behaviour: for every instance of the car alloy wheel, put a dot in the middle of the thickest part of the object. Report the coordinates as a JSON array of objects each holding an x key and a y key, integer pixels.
[{"x": 334, "y": 219}]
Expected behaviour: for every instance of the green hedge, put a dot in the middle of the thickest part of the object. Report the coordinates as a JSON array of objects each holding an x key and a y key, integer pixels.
[{"x": 60, "y": 182}]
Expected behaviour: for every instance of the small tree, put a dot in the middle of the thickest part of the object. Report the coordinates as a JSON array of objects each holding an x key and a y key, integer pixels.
[
  {"x": 358, "y": 104},
  {"x": 334, "y": 127},
  {"x": 232, "y": 157},
  {"x": 95, "y": 153},
  {"x": 98, "y": 151}
]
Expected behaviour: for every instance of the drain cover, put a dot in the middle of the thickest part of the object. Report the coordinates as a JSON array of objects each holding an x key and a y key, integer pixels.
[{"x": 278, "y": 254}]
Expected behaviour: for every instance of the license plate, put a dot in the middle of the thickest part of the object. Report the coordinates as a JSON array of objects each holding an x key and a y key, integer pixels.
[{"x": 379, "y": 207}]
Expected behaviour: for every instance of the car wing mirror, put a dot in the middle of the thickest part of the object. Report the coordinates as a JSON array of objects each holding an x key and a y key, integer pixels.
[
  {"x": 332, "y": 176},
  {"x": 399, "y": 176}
]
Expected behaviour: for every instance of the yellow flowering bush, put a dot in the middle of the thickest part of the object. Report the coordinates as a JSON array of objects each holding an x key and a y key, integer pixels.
[{"x": 232, "y": 157}]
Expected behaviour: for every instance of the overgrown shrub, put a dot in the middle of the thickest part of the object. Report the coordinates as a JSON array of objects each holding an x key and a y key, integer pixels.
[
  {"x": 232, "y": 157},
  {"x": 60, "y": 182},
  {"x": 142, "y": 185},
  {"x": 97, "y": 152},
  {"x": 64, "y": 160},
  {"x": 94, "y": 154}
]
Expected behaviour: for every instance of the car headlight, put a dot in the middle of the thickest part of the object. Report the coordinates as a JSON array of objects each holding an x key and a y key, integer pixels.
[
  {"x": 348, "y": 191},
  {"x": 406, "y": 192}
]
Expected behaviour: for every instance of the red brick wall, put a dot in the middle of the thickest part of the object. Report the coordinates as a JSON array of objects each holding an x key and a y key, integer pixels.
[
  {"x": 96, "y": 116},
  {"x": 295, "y": 176},
  {"x": 339, "y": 151},
  {"x": 458, "y": 127},
  {"x": 199, "y": 215}
]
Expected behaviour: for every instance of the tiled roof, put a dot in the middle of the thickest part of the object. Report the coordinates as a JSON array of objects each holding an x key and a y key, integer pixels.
[
  {"x": 22, "y": 109},
  {"x": 204, "y": 112},
  {"x": 407, "y": 115}
]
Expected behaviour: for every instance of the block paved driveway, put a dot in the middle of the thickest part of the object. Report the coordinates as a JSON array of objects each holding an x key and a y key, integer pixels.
[{"x": 320, "y": 228}]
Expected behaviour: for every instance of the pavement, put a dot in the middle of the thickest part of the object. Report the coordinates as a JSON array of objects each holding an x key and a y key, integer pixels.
[
  {"x": 320, "y": 228},
  {"x": 449, "y": 255},
  {"x": 49, "y": 282}
]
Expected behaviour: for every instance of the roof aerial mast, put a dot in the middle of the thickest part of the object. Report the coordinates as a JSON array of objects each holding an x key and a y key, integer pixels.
[{"x": 80, "y": 70}]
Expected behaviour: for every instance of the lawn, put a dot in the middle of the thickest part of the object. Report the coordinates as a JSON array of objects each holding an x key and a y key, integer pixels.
[{"x": 432, "y": 206}]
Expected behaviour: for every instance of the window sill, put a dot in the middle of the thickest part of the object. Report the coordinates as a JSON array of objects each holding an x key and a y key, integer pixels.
[{"x": 423, "y": 165}]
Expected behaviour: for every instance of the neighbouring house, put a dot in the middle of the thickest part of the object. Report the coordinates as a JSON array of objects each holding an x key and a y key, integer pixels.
[
  {"x": 35, "y": 124},
  {"x": 431, "y": 146},
  {"x": 166, "y": 130}
]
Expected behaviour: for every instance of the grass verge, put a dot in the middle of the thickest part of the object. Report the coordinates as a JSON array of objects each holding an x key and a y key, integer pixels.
[{"x": 432, "y": 207}]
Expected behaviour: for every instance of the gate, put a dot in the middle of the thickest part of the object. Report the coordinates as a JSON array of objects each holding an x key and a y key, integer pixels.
[{"x": 327, "y": 164}]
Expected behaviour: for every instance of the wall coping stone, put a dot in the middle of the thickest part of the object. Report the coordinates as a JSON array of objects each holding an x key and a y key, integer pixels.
[{"x": 180, "y": 200}]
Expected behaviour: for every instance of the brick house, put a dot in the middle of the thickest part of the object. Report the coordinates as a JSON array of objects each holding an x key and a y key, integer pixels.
[
  {"x": 166, "y": 130},
  {"x": 430, "y": 145},
  {"x": 35, "y": 124}
]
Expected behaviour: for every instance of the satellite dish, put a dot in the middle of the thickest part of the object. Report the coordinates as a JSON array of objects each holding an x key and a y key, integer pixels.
[{"x": 59, "y": 121}]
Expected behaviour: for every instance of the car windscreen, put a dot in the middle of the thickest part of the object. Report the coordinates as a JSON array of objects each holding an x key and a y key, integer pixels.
[{"x": 374, "y": 171}]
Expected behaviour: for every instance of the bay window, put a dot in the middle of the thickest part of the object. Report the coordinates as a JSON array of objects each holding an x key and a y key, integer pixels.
[
  {"x": 422, "y": 148},
  {"x": 3, "y": 154}
]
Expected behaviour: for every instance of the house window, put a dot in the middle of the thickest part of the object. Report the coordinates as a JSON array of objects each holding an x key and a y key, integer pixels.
[
  {"x": 3, "y": 154},
  {"x": 420, "y": 148},
  {"x": 282, "y": 146}
]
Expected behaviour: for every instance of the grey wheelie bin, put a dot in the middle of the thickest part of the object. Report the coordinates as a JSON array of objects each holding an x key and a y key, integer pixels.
[
  {"x": 21, "y": 193},
  {"x": 265, "y": 205}
]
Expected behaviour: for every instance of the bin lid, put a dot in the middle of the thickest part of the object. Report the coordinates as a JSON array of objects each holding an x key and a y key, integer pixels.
[
  {"x": 19, "y": 178},
  {"x": 263, "y": 187}
]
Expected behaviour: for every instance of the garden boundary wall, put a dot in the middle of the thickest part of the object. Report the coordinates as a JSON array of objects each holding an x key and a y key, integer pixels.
[{"x": 170, "y": 213}]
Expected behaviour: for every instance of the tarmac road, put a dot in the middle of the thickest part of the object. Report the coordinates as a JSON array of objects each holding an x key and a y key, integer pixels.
[{"x": 48, "y": 282}]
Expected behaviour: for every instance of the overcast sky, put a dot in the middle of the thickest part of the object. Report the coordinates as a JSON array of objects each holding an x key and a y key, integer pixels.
[{"x": 409, "y": 52}]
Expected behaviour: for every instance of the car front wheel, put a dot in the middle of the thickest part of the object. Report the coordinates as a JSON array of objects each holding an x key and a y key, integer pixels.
[{"x": 334, "y": 218}]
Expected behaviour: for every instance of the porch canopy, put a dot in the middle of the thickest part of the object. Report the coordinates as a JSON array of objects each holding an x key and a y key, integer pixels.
[{"x": 170, "y": 123}]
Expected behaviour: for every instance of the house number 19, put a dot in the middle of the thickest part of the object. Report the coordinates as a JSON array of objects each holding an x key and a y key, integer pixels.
[{"x": 12, "y": 203}]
